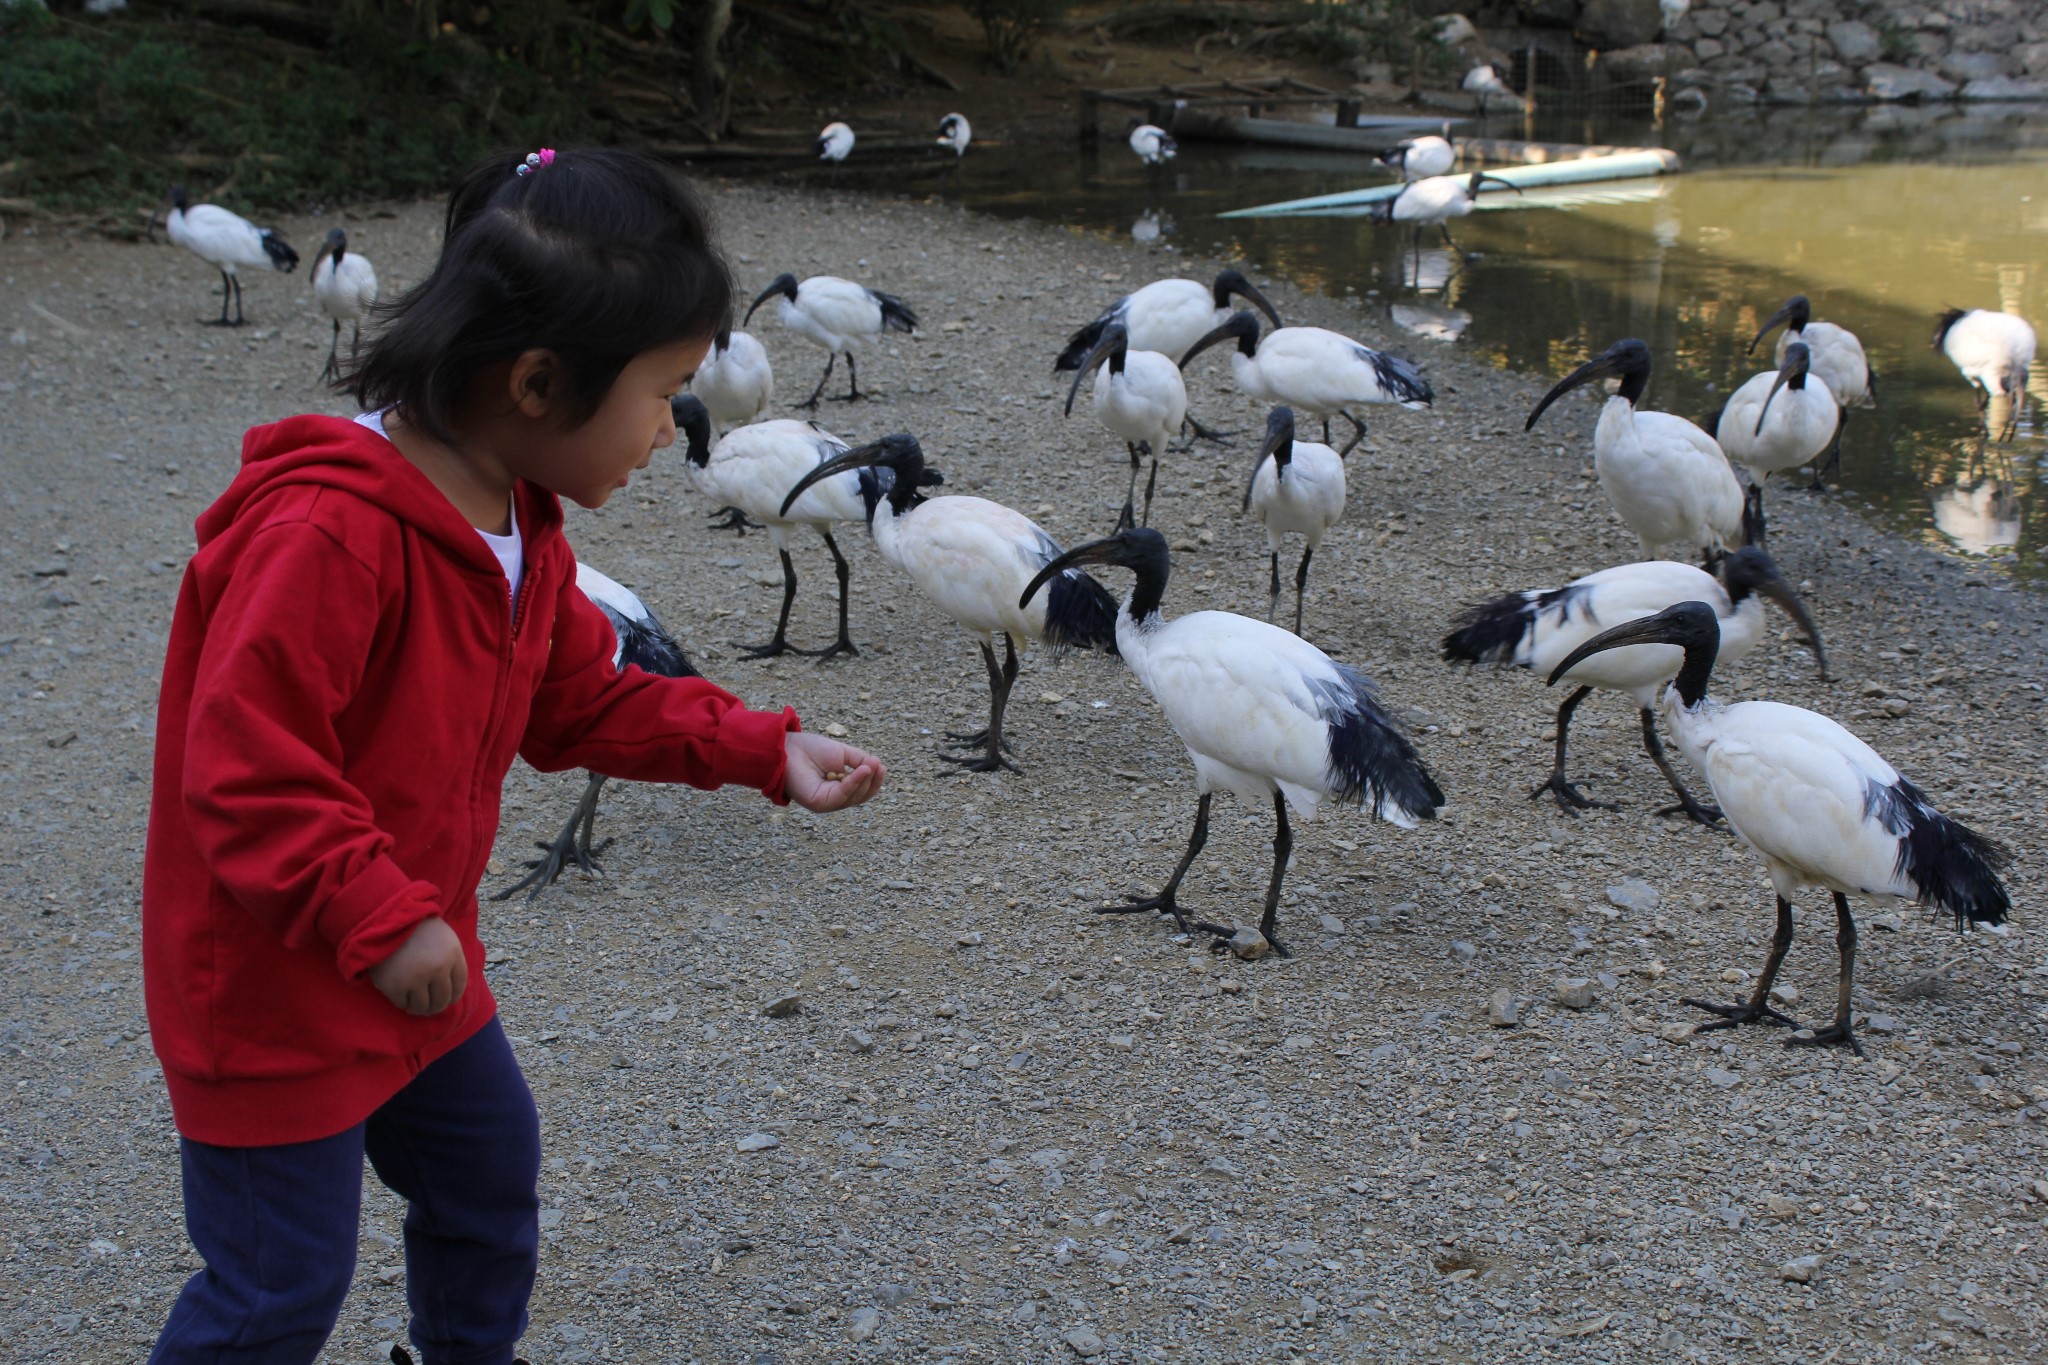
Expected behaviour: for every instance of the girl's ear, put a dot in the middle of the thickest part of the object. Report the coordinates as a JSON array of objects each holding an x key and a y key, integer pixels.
[{"x": 534, "y": 383}]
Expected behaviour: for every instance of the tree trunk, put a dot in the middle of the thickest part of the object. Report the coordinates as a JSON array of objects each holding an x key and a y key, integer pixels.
[{"x": 707, "y": 73}]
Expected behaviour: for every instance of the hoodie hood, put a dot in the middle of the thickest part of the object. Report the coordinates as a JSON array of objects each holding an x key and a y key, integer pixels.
[{"x": 344, "y": 455}]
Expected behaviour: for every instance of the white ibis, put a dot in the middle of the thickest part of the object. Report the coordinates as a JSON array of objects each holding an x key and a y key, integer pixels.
[
  {"x": 1139, "y": 396},
  {"x": 1993, "y": 350},
  {"x": 749, "y": 472},
  {"x": 1821, "y": 807},
  {"x": 834, "y": 143},
  {"x": 1836, "y": 357},
  {"x": 1152, "y": 144},
  {"x": 838, "y": 315},
  {"x": 1315, "y": 371},
  {"x": 642, "y": 643},
  {"x": 1296, "y": 488},
  {"x": 1666, "y": 478},
  {"x": 1776, "y": 420},
  {"x": 971, "y": 558},
  {"x": 955, "y": 132},
  {"x": 1535, "y": 629},
  {"x": 225, "y": 241},
  {"x": 1264, "y": 714},
  {"x": 1418, "y": 158},
  {"x": 736, "y": 382},
  {"x": 345, "y": 287},
  {"x": 1485, "y": 81},
  {"x": 1434, "y": 202}
]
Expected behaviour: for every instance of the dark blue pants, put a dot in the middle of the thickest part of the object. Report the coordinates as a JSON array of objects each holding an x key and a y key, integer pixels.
[{"x": 277, "y": 1226}]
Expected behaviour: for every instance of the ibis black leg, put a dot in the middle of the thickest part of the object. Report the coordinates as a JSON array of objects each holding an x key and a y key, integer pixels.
[
  {"x": 1840, "y": 1032},
  {"x": 1203, "y": 433},
  {"x": 1283, "y": 848},
  {"x": 1445, "y": 229},
  {"x": 237, "y": 281},
  {"x": 227, "y": 287},
  {"x": 1834, "y": 461},
  {"x": 1151, "y": 482},
  {"x": 1757, "y": 526},
  {"x": 780, "y": 644},
  {"x": 333, "y": 366},
  {"x": 1164, "y": 902},
  {"x": 853, "y": 393},
  {"x": 572, "y": 845},
  {"x": 1000, "y": 680},
  {"x": 844, "y": 644},
  {"x": 1654, "y": 746},
  {"x": 969, "y": 739},
  {"x": 1759, "y": 1007},
  {"x": 1273, "y": 591},
  {"x": 1300, "y": 583},
  {"x": 355, "y": 341},
  {"x": 1356, "y": 436},
  {"x": 731, "y": 518},
  {"x": 1326, "y": 429},
  {"x": 1129, "y": 516},
  {"x": 831, "y": 359},
  {"x": 1569, "y": 799}
]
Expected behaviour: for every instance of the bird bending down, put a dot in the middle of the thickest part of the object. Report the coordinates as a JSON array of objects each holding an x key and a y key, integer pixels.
[
  {"x": 955, "y": 132},
  {"x": 838, "y": 315},
  {"x": 735, "y": 382},
  {"x": 1152, "y": 144},
  {"x": 1139, "y": 396},
  {"x": 345, "y": 287},
  {"x": 1993, "y": 351},
  {"x": 1434, "y": 202},
  {"x": 1837, "y": 360},
  {"x": 1418, "y": 158},
  {"x": 1485, "y": 82},
  {"x": 1821, "y": 808},
  {"x": 643, "y": 643},
  {"x": 1764, "y": 430},
  {"x": 1535, "y": 629},
  {"x": 225, "y": 241},
  {"x": 1263, "y": 713},
  {"x": 971, "y": 558},
  {"x": 1315, "y": 371},
  {"x": 1296, "y": 488},
  {"x": 1667, "y": 479},
  {"x": 834, "y": 143},
  {"x": 749, "y": 472}
]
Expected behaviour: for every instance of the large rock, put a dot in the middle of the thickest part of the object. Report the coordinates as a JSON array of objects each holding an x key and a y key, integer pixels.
[
  {"x": 1996, "y": 88},
  {"x": 1855, "y": 42},
  {"x": 1646, "y": 61},
  {"x": 1964, "y": 67},
  {"x": 1619, "y": 23},
  {"x": 2032, "y": 58},
  {"x": 1892, "y": 83}
]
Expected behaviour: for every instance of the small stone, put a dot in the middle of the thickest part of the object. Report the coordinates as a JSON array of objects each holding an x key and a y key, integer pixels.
[
  {"x": 969, "y": 940},
  {"x": 1633, "y": 894},
  {"x": 1800, "y": 1270},
  {"x": 1501, "y": 1011},
  {"x": 1464, "y": 950},
  {"x": 1734, "y": 976},
  {"x": 1113, "y": 1257},
  {"x": 837, "y": 731},
  {"x": 1785, "y": 995},
  {"x": 1575, "y": 992},
  {"x": 1249, "y": 945},
  {"x": 1330, "y": 924},
  {"x": 864, "y": 1323},
  {"x": 759, "y": 1142},
  {"x": 783, "y": 1006},
  {"x": 1123, "y": 1042},
  {"x": 1083, "y": 1341},
  {"x": 1881, "y": 1023},
  {"x": 1720, "y": 1079},
  {"x": 860, "y": 1041}
]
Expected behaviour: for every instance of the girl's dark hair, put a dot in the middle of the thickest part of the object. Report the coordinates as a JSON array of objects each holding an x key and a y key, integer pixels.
[{"x": 598, "y": 256}]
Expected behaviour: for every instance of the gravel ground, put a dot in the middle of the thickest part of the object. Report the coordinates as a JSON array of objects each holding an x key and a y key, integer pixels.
[{"x": 1001, "y": 1128}]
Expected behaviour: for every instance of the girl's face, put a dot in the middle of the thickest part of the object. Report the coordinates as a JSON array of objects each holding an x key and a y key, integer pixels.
[{"x": 588, "y": 464}]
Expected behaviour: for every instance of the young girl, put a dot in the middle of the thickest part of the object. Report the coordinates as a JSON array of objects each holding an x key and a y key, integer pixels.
[{"x": 381, "y": 613}]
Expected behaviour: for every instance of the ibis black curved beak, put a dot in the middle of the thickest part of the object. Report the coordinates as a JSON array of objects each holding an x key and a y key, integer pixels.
[
  {"x": 1109, "y": 550},
  {"x": 900, "y": 452},
  {"x": 1791, "y": 370},
  {"x": 1688, "y": 624},
  {"x": 1629, "y": 358},
  {"x": 1279, "y": 444},
  {"x": 784, "y": 284},
  {"x": 1114, "y": 343},
  {"x": 1231, "y": 282},
  {"x": 1751, "y": 569},
  {"x": 1793, "y": 306},
  {"x": 693, "y": 423},
  {"x": 1478, "y": 177},
  {"x": 1241, "y": 327}
]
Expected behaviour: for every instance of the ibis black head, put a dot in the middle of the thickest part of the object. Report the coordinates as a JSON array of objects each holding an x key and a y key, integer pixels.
[
  {"x": 1630, "y": 359},
  {"x": 1692, "y": 626},
  {"x": 1791, "y": 374},
  {"x": 1114, "y": 342},
  {"x": 335, "y": 247},
  {"x": 722, "y": 342},
  {"x": 1279, "y": 444},
  {"x": 1752, "y": 571},
  {"x": 1230, "y": 282},
  {"x": 899, "y": 453},
  {"x": 1947, "y": 318},
  {"x": 1796, "y": 313},
  {"x": 783, "y": 284},
  {"x": 1140, "y": 549},
  {"x": 175, "y": 199},
  {"x": 693, "y": 420},
  {"x": 1242, "y": 327},
  {"x": 1480, "y": 177}
]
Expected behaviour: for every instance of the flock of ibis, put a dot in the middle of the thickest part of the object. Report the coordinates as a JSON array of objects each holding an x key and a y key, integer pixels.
[{"x": 1262, "y": 711}]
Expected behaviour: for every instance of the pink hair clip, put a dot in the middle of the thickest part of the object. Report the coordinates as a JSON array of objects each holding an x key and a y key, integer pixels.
[{"x": 535, "y": 160}]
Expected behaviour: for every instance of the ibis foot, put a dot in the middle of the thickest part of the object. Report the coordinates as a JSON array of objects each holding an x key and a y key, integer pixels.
[
  {"x": 833, "y": 651},
  {"x": 1226, "y": 935},
  {"x": 1733, "y": 1016},
  {"x": 774, "y": 649},
  {"x": 733, "y": 519},
  {"x": 1203, "y": 433},
  {"x": 1163, "y": 904},
  {"x": 977, "y": 739},
  {"x": 1570, "y": 799},
  {"x": 1837, "y": 1034},
  {"x": 1705, "y": 815},
  {"x": 542, "y": 871},
  {"x": 980, "y": 763}
]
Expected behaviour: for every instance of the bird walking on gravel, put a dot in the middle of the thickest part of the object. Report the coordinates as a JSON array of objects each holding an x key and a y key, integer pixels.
[
  {"x": 970, "y": 558},
  {"x": 1776, "y": 420},
  {"x": 1818, "y": 805},
  {"x": 345, "y": 287},
  {"x": 226, "y": 241},
  {"x": 1296, "y": 488},
  {"x": 1316, "y": 371},
  {"x": 1139, "y": 395},
  {"x": 1837, "y": 360},
  {"x": 1993, "y": 351},
  {"x": 1536, "y": 628},
  {"x": 1263, "y": 713},
  {"x": 838, "y": 315},
  {"x": 736, "y": 383},
  {"x": 643, "y": 643}
]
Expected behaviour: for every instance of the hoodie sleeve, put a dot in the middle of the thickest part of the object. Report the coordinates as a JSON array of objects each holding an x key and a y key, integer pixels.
[
  {"x": 264, "y": 792},
  {"x": 640, "y": 727}
]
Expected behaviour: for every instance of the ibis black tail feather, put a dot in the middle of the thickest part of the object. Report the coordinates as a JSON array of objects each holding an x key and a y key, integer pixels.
[
  {"x": 1502, "y": 630},
  {"x": 1954, "y": 868},
  {"x": 1711, "y": 423},
  {"x": 1081, "y": 343},
  {"x": 896, "y": 314},
  {"x": 1400, "y": 381},
  {"x": 1079, "y": 614},
  {"x": 1371, "y": 763},
  {"x": 280, "y": 252}
]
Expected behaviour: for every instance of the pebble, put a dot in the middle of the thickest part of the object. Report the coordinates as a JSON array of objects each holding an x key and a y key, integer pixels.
[
  {"x": 1501, "y": 1011},
  {"x": 1800, "y": 1269},
  {"x": 1881, "y": 1023},
  {"x": 1464, "y": 950},
  {"x": 783, "y": 1006},
  {"x": 1785, "y": 995},
  {"x": 860, "y": 1041},
  {"x": 1575, "y": 992},
  {"x": 969, "y": 940},
  {"x": 1330, "y": 924},
  {"x": 1720, "y": 1078},
  {"x": 1248, "y": 944},
  {"x": 863, "y": 1324},
  {"x": 758, "y": 1142},
  {"x": 1083, "y": 1341},
  {"x": 1633, "y": 894}
]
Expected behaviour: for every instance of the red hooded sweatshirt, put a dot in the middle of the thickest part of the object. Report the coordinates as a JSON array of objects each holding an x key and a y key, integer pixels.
[{"x": 346, "y": 684}]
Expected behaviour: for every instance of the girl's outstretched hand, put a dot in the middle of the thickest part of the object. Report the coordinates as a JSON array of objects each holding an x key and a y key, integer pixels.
[{"x": 823, "y": 774}]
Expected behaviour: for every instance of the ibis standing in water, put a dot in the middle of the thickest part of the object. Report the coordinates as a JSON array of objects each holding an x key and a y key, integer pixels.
[
  {"x": 1418, "y": 158},
  {"x": 1668, "y": 480},
  {"x": 642, "y": 643},
  {"x": 1536, "y": 628},
  {"x": 225, "y": 241},
  {"x": 971, "y": 558},
  {"x": 1484, "y": 80},
  {"x": 838, "y": 315},
  {"x": 955, "y": 132},
  {"x": 1263, "y": 713},
  {"x": 1152, "y": 145},
  {"x": 1315, "y": 371},
  {"x": 1435, "y": 201},
  {"x": 750, "y": 472},
  {"x": 345, "y": 287},
  {"x": 1835, "y": 356},
  {"x": 1777, "y": 420},
  {"x": 1139, "y": 396},
  {"x": 834, "y": 143},
  {"x": 1296, "y": 488},
  {"x": 735, "y": 382},
  {"x": 1993, "y": 350},
  {"x": 1821, "y": 807}
]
